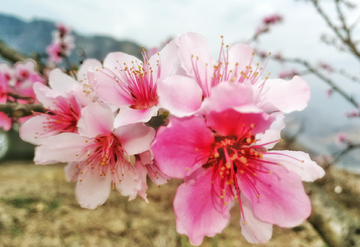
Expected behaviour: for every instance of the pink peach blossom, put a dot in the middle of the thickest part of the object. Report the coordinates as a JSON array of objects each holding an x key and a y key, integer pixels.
[
  {"x": 224, "y": 157},
  {"x": 101, "y": 154},
  {"x": 234, "y": 65},
  {"x": 131, "y": 84}
]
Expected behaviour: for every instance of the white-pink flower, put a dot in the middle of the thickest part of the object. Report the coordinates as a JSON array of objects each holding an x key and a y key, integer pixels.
[
  {"x": 100, "y": 155},
  {"x": 131, "y": 84},
  {"x": 185, "y": 95}
]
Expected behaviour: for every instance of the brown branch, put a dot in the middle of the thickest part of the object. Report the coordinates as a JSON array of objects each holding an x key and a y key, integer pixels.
[
  {"x": 349, "y": 148},
  {"x": 21, "y": 110},
  {"x": 14, "y": 56},
  {"x": 346, "y": 40}
]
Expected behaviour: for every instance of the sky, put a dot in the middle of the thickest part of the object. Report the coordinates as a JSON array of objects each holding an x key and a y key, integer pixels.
[{"x": 150, "y": 22}]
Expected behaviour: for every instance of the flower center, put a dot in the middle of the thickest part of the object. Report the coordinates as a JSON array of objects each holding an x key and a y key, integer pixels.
[
  {"x": 224, "y": 71},
  {"x": 63, "y": 118},
  {"x": 137, "y": 81},
  {"x": 107, "y": 155}
]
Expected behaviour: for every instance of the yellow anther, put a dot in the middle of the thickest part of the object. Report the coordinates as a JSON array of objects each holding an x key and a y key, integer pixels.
[
  {"x": 252, "y": 125},
  {"x": 196, "y": 149},
  {"x": 270, "y": 172},
  {"x": 243, "y": 159},
  {"x": 216, "y": 155},
  {"x": 255, "y": 174},
  {"x": 242, "y": 171},
  {"x": 248, "y": 140},
  {"x": 257, "y": 196}
]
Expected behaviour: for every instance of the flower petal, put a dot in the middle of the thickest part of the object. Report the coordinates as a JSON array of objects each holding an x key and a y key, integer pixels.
[
  {"x": 142, "y": 171},
  {"x": 227, "y": 95},
  {"x": 182, "y": 146},
  {"x": 240, "y": 54},
  {"x": 181, "y": 95},
  {"x": 60, "y": 148},
  {"x": 230, "y": 122},
  {"x": 282, "y": 199},
  {"x": 196, "y": 214},
  {"x": 33, "y": 130},
  {"x": 298, "y": 162},
  {"x": 82, "y": 74},
  {"x": 135, "y": 138},
  {"x": 128, "y": 184},
  {"x": 129, "y": 116},
  {"x": 97, "y": 118},
  {"x": 71, "y": 171},
  {"x": 61, "y": 82},
  {"x": 93, "y": 190},
  {"x": 286, "y": 96},
  {"x": 254, "y": 230},
  {"x": 273, "y": 134}
]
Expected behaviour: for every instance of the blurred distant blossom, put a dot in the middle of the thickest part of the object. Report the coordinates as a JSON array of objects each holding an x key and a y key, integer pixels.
[
  {"x": 272, "y": 19},
  {"x": 288, "y": 74},
  {"x": 326, "y": 66},
  {"x": 353, "y": 114},
  {"x": 324, "y": 160},
  {"x": 62, "y": 44},
  {"x": 341, "y": 139},
  {"x": 329, "y": 92}
]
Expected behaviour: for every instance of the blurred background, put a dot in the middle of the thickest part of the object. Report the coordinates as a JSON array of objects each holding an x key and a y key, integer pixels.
[{"x": 304, "y": 38}]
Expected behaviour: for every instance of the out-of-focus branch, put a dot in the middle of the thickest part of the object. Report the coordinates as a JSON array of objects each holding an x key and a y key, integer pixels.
[
  {"x": 20, "y": 110},
  {"x": 347, "y": 40},
  {"x": 313, "y": 70},
  {"x": 15, "y": 56},
  {"x": 349, "y": 148}
]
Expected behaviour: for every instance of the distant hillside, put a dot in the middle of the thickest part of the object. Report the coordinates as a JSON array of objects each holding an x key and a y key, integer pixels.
[{"x": 34, "y": 36}]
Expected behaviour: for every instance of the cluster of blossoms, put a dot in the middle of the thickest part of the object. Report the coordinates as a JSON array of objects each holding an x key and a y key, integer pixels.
[
  {"x": 62, "y": 44},
  {"x": 16, "y": 85},
  {"x": 224, "y": 117}
]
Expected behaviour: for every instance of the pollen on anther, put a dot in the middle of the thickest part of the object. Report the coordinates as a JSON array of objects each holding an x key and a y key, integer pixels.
[
  {"x": 270, "y": 172},
  {"x": 196, "y": 149},
  {"x": 255, "y": 174},
  {"x": 187, "y": 169},
  {"x": 244, "y": 223}
]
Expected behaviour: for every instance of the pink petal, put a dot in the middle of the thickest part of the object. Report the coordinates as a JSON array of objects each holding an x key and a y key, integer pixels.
[
  {"x": 230, "y": 95},
  {"x": 129, "y": 116},
  {"x": 241, "y": 54},
  {"x": 255, "y": 231},
  {"x": 286, "y": 96},
  {"x": 181, "y": 95},
  {"x": 117, "y": 59},
  {"x": 142, "y": 171},
  {"x": 82, "y": 74},
  {"x": 196, "y": 214},
  {"x": 193, "y": 47},
  {"x": 135, "y": 138},
  {"x": 282, "y": 199},
  {"x": 298, "y": 162},
  {"x": 93, "y": 189},
  {"x": 71, "y": 171},
  {"x": 45, "y": 95},
  {"x": 182, "y": 146},
  {"x": 109, "y": 90},
  {"x": 60, "y": 148},
  {"x": 97, "y": 119},
  {"x": 230, "y": 122},
  {"x": 33, "y": 129},
  {"x": 61, "y": 82},
  {"x": 273, "y": 134},
  {"x": 168, "y": 61},
  {"x": 130, "y": 183}
]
